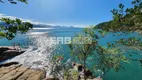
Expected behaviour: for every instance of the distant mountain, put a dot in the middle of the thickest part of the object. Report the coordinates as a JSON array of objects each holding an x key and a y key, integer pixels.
[
  {"x": 41, "y": 26},
  {"x": 50, "y": 26},
  {"x": 3, "y": 24}
]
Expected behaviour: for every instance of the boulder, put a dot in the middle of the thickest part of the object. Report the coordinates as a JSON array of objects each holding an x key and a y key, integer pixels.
[
  {"x": 2, "y": 49},
  {"x": 9, "y": 52}
]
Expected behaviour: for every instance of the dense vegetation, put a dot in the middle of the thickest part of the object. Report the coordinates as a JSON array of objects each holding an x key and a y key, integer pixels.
[
  {"x": 128, "y": 20},
  {"x": 125, "y": 19}
]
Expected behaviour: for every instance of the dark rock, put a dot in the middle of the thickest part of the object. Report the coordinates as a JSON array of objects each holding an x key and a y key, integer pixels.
[
  {"x": 2, "y": 49},
  {"x": 8, "y": 64},
  {"x": 88, "y": 73},
  {"x": 81, "y": 69},
  {"x": 8, "y": 52}
]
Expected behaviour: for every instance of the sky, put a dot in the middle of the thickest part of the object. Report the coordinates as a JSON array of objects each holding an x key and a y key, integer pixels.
[{"x": 79, "y": 13}]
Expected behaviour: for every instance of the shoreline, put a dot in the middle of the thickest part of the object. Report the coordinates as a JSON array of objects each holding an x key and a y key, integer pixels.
[
  {"x": 16, "y": 71},
  {"x": 8, "y": 52}
]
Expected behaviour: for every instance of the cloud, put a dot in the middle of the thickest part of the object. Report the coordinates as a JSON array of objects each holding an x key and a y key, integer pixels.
[
  {"x": 24, "y": 20},
  {"x": 5, "y": 16},
  {"x": 41, "y": 23}
]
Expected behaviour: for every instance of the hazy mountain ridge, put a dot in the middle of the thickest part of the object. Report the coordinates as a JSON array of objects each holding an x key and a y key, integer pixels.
[
  {"x": 41, "y": 26},
  {"x": 50, "y": 26}
]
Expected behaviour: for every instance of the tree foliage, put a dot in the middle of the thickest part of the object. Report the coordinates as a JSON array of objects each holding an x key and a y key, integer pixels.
[
  {"x": 12, "y": 27},
  {"x": 125, "y": 20},
  {"x": 103, "y": 58},
  {"x": 14, "y": 1}
]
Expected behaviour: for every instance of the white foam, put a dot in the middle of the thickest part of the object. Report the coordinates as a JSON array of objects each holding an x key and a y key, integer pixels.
[
  {"x": 37, "y": 56},
  {"x": 42, "y": 28},
  {"x": 36, "y": 33}
]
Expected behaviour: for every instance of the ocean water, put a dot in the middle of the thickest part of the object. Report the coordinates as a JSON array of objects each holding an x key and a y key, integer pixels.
[{"x": 39, "y": 48}]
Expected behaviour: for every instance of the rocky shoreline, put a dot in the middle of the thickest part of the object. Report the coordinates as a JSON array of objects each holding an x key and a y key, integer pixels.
[
  {"x": 15, "y": 71},
  {"x": 7, "y": 52}
]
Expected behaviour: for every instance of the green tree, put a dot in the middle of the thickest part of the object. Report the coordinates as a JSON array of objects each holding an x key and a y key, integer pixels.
[
  {"x": 130, "y": 22},
  {"x": 14, "y": 1},
  {"x": 126, "y": 21},
  {"x": 113, "y": 55},
  {"x": 13, "y": 26},
  {"x": 103, "y": 58}
]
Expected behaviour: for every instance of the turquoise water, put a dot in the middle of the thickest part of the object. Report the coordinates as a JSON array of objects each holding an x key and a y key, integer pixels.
[
  {"x": 132, "y": 71},
  {"x": 21, "y": 39}
]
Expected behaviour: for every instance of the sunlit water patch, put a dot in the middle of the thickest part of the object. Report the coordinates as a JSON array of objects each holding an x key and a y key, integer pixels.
[{"x": 37, "y": 55}]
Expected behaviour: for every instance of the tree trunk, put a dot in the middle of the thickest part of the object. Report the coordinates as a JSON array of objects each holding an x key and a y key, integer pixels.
[{"x": 84, "y": 64}]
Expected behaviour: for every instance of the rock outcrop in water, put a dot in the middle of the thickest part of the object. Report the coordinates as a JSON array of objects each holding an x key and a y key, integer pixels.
[
  {"x": 15, "y": 71},
  {"x": 9, "y": 52}
]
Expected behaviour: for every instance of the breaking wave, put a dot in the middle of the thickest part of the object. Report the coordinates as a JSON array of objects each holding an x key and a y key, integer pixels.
[{"x": 38, "y": 53}]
